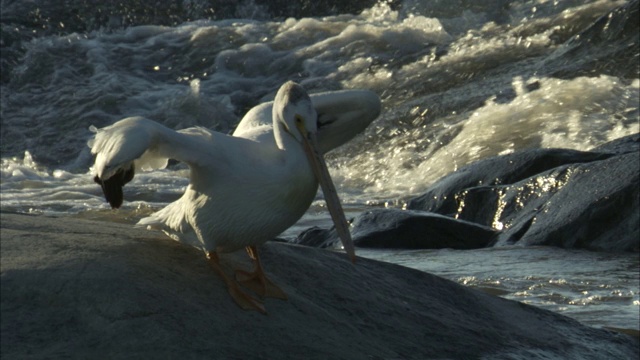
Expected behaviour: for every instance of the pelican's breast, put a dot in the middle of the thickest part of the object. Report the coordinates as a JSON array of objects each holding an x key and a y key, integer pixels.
[{"x": 264, "y": 193}]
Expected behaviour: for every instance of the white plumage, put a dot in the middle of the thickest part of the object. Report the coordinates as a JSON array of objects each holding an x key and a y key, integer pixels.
[{"x": 247, "y": 188}]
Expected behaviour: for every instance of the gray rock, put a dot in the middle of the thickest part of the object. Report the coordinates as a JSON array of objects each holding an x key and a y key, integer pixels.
[
  {"x": 595, "y": 206},
  {"x": 608, "y": 46},
  {"x": 399, "y": 229},
  {"x": 623, "y": 145},
  {"x": 394, "y": 228},
  {"x": 74, "y": 288},
  {"x": 554, "y": 197},
  {"x": 507, "y": 169},
  {"x": 318, "y": 237}
]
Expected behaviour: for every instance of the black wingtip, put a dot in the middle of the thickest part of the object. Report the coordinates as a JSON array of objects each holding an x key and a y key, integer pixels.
[{"x": 112, "y": 187}]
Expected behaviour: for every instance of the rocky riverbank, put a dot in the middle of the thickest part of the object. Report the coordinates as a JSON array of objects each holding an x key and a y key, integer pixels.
[{"x": 77, "y": 288}]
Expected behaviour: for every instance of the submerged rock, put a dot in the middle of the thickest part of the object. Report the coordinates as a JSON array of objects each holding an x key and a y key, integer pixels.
[
  {"x": 88, "y": 289},
  {"x": 555, "y": 197}
]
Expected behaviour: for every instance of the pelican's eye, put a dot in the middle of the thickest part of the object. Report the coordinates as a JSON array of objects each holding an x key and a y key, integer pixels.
[{"x": 299, "y": 122}]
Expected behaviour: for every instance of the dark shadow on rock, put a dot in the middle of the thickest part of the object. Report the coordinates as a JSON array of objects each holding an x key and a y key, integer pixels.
[{"x": 74, "y": 288}]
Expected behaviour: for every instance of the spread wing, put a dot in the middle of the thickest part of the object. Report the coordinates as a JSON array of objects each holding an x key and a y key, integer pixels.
[{"x": 139, "y": 143}]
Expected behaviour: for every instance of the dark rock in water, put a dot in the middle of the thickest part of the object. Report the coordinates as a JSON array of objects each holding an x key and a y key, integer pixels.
[
  {"x": 609, "y": 46},
  {"x": 559, "y": 197},
  {"x": 508, "y": 169},
  {"x": 403, "y": 229},
  {"x": 594, "y": 206},
  {"x": 554, "y": 197},
  {"x": 318, "y": 237},
  {"x": 623, "y": 145},
  {"x": 74, "y": 288},
  {"x": 394, "y": 228}
]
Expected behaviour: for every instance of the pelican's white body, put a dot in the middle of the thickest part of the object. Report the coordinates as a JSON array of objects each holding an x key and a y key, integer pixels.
[
  {"x": 244, "y": 189},
  {"x": 235, "y": 198}
]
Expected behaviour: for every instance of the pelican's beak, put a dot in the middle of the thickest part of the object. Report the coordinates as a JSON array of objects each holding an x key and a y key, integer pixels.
[{"x": 319, "y": 167}]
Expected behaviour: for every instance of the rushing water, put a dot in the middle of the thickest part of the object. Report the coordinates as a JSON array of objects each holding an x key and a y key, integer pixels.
[
  {"x": 599, "y": 289},
  {"x": 459, "y": 81}
]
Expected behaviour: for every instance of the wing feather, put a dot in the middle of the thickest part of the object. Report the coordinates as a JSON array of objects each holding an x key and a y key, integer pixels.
[
  {"x": 137, "y": 142},
  {"x": 341, "y": 116}
]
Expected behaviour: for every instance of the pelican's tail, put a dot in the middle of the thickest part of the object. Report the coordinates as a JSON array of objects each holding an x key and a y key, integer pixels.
[{"x": 172, "y": 221}]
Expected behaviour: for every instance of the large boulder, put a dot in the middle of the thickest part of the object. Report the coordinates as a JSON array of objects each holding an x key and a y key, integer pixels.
[
  {"x": 595, "y": 206},
  {"x": 554, "y": 197},
  {"x": 443, "y": 196},
  {"x": 608, "y": 46},
  {"x": 74, "y": 288}
]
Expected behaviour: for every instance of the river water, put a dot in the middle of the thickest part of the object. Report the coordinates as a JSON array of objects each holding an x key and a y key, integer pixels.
[{"x": 459, "y": 82}]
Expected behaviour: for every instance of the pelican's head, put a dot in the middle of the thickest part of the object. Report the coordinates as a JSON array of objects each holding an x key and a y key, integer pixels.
[
  {"x": 294, "y": 113},
  {"x": 292, "y": 107}
]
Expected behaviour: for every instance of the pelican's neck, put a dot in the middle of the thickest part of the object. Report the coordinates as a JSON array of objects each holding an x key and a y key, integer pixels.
[{"x": 284, "y": 140}]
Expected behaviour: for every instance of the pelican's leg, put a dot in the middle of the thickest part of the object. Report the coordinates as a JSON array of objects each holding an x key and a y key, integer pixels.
[
  {"x": 257, "y": 280},
  {"x": 240, "y": 297}
]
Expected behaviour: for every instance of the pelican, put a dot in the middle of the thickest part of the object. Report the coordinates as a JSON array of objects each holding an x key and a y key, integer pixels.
[{"x": 244, "y": 188}]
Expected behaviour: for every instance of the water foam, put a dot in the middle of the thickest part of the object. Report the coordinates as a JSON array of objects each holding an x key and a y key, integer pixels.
[{"x": 579, "y": 114}]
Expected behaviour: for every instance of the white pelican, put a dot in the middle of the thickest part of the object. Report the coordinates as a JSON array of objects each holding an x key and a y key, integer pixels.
[{"x": 246, "y": 188}]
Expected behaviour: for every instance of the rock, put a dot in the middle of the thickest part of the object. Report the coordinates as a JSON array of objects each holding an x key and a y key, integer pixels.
[
  {"x": 74, "y": 288},
  {"x": 594, "y": 206},
  {"x": 318, "y": 237},
  {"x": 507, "y": 169},
  {"x": 608, "y": 46},
  {"x": 554, "y": 197},
  {"x": 394, "y": 228},
  {"x": 400, "y": 229},
  {"x": 623, "y": 145}
]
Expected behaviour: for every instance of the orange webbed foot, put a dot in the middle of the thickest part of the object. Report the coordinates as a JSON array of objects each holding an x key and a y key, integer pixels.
[{"x": 241, "y": 298}]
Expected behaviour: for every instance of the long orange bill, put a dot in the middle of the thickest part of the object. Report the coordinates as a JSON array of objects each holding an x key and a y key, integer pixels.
[{"x": 330, "y": 194}]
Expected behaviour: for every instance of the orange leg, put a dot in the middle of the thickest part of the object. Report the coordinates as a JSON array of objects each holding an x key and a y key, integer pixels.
[
  {"x": 240, "y": 297},
  {"x": 257, "y": 281}
]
